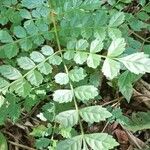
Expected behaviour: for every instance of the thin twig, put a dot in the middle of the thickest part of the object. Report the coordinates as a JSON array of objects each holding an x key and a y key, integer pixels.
[
  {"x": 8, "y": 133},
  {"x": 52, "y": 15},
  {"x": 107, "y": 123},
  {"x": 21, "y": 145},
  {"x": 140, "y": 37},
  {"x": 115, "y": 100}
]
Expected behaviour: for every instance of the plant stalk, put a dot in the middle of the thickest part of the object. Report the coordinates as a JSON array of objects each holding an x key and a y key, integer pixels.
[{"x": 66, "y": 69}]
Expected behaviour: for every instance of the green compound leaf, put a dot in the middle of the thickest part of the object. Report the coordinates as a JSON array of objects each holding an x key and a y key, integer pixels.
[
  {"x": 114, "y": 33},
  {"x": 35, "y": 77},
  {"x": 67, "y": 118},
  {"x": 82, "y": 44},
  {"x": 100, "y": 141},
  {"x": 80, "y": 57},
  {"x": 9, "y": 3},
  {"x": 45, "y": 68},
  {"x": 42, "y": 143},
  {"x": 143, "y": 16},
  {"x": 41, "y": 11},
  {"x": 86, "y": 92},
  {"x": 13, "y": 110},
  {"x": 147, "y": 49},
  {"x": 117, "y": 47},
  {"x": 25, "y": 14},
  {"x": 37, "y": 57},
  {"x": 117, "y": 116},
  {"x": 94, "y": 114},
  {"x": 71, "y": 44},
  {"x": 30, "y": 27},
  {"x": 25, "y": 63},
  {"x": 55, "y": 60},
  {"x": 3, "y": 142},
  {"x": 110, "y": 68},
  {"x": 47, "y": 50},
  {"x": 10, "y": 72},
  {"x": 100, "y": 33},
  {"x": 77, "y": 74},
  {"x": 32, "y": 3},
  {"x": 63, "y": 96},
  {"x": 96, "y": 46},
  {"x": 66, "y": 132},
  {"x": 137, "y": 63},
  {"x": 142, "y": 2},
  {"x": 117, "y": 19},
  {"x": 74, "y": 143},
  {"x": 26, "y": 44},
  {"x": 147, "y": 8},
  {"x": 5, "y": 37},
  {"x": 40, "y": 131},
  {"x": 3, "y": 83},
  {"x": 9, "y": 51},
  {"x": 93, "y": 60},
  {"x": 20, "y": 32},
  {"x": 138, "y": 121},
  {"x": 61, "y": 78},
  {"x": 125, "y": 81},
  {"x": 21, "y": 87},
  {"x": 38, "y": 40},
  {"x": 48, "y": 111},
  {"x": 69, "y": 54},
  {"x": 95, "y": 78}
]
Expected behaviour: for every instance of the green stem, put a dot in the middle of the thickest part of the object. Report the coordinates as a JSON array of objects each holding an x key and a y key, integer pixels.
[
  {"x": 53, "y": 132},
  {"x": 66, "y": 69},
  {"x": 56, "y": 33},
  {"x": 75, "y": 102}
]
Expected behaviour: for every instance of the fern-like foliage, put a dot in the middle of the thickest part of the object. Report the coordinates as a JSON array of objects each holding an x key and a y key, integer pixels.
[{"x": 62, "y": 48}]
